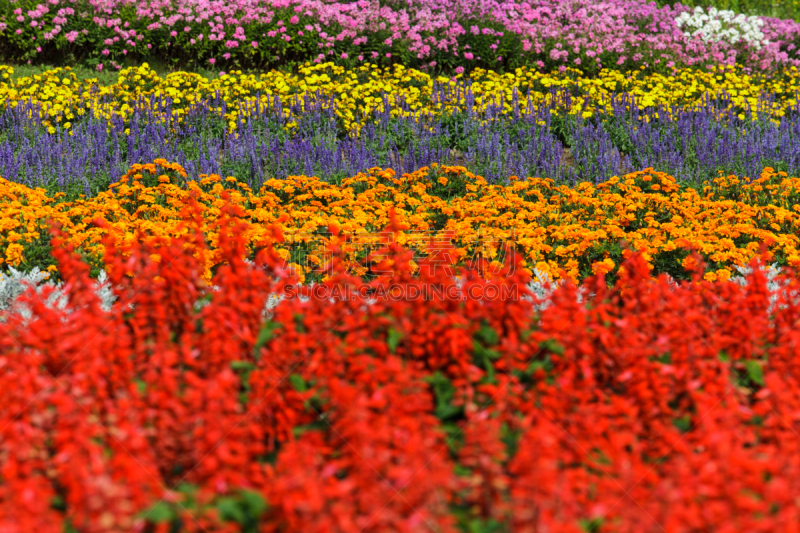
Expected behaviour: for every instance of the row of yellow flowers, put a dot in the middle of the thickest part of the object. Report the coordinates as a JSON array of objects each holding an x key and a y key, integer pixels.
[
  {"x": 556, "y": 227},
  {"x": 359, "y": 91}
]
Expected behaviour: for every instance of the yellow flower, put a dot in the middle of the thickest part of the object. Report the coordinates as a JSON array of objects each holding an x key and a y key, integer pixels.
[
  {"x": 13, "y": 254},
  {"x": 603, "y": 267},
  {"x": 723, "y": 274}
]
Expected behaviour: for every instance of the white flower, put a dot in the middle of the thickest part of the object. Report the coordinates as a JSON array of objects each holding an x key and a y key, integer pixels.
[{"x": 714, "y": 26}]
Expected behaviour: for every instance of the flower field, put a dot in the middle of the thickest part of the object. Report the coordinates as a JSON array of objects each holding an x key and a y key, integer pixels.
[
  {"x": 79, "y": 137},
  {"x": 559, "y": 230},
  {"x": 454, "y": 34},
  {"x": 400, "y": 266},
  {"x": 648, "y": 406}
]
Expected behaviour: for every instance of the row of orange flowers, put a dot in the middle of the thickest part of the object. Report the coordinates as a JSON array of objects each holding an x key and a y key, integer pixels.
[{"x": 560, "y": 230}]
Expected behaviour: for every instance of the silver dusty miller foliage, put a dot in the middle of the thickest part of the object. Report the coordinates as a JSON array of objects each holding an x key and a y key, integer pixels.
[{"x": 14, "y": 283}]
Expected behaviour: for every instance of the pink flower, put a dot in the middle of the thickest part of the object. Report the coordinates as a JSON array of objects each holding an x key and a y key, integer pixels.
[
  {"x": 469, "y": 55},
  {"x": 173, "y": 33},
  {"x": 344, "y": 55},
  {"x": 254, "y": 44},
  {"x": 226, "y": 56},
  {"x": 295, "y": 19},
  {"x": 459, "y": 70},
  {"x": 360, "y": 57},
  {"x": 187, "y": 29},
  {"x": 34, "y": 23},
  {"x": 38, "y": 48},
  {"x": 212, "y": 61},
  {"x": 99, "y": 67},
  {"x": 105, "y": 52},
  {"x": 388, "y": 55}
]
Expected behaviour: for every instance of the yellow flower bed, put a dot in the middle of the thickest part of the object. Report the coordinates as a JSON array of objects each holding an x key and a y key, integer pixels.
[
  {"x": 556, "y": 227},
  {"x": 359, "y": 91}
]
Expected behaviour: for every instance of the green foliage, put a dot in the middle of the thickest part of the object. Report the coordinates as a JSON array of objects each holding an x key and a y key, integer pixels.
[
  {"x": 444, "y": 393},
  {"x": 243, "y": 507}
]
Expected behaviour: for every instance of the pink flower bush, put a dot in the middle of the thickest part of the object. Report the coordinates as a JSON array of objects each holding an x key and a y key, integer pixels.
[{"x": 551, "y": 33}]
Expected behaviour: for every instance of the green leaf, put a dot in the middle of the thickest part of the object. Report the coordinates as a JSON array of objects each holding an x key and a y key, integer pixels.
[
  {"x": 160, "y": 513},
  {"x": 242, "y": 365},
  {"x": 298, "y": 382},
  {"x": 552, "y": 345},
  {"x": 444, "y": 392},
  {"x": 591, "y": 526},
  {"x": 481, "y": 350},
  {"x": 538, "y": 365},
  {"x": 461, "y": 470},
  {"x": 264, "y": 336},
  {"x": 254, "y": 502},
  {"x": 683, "y": 423},
  {"x": 57, "y": 502},
  {"x": 393, "y": 339},
  {"x": 755, "y": 371},
  {"x": 229, "y": 510},
  {"x": 488, "y": 335},
  {"x": 299, "y": 323}
]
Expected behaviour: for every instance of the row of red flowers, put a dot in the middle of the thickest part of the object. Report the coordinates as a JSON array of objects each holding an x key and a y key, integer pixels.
[{"x": 646, "y": 407}]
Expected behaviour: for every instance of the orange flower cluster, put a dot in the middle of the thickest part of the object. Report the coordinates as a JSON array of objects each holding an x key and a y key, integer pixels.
[
  {"x": 651, "y": 407},
  {"x": 575, "y": 230}
]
